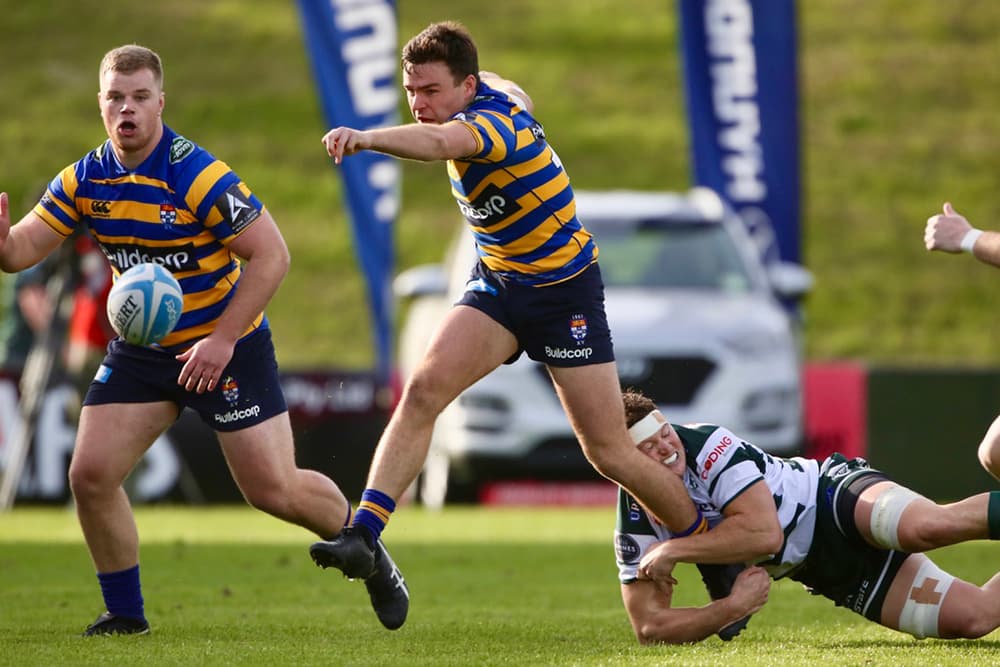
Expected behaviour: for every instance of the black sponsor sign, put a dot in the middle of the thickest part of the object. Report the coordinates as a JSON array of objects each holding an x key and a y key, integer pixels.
[
  {"x": 489, "y": 208},
  {"x": 335, "y": 434},
  {"x": 124, "y": 256}
]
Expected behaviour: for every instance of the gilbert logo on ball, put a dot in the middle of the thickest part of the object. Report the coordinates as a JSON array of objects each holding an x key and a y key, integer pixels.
[{"x": 145, "y": 304}]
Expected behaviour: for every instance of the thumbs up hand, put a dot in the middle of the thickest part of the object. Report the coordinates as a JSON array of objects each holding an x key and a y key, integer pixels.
[{"x": 946, "y": 231}]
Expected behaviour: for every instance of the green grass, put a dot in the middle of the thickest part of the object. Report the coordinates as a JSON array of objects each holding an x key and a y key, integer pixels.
[
  {"x": 489, "y": 587},
  {"x": 898, "y": 113}
]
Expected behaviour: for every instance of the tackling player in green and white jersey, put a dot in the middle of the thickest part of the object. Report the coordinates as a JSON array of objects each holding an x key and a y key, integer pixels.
[{"x": 839, "y": 527}]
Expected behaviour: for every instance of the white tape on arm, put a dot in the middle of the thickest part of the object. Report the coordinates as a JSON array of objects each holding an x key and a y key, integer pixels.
[{"x": 970, "y": 238}]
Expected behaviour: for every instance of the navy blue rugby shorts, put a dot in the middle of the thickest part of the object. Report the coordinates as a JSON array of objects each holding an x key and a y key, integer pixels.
[
  {"x": 248, "y": 393},
  {"x": 558, "y": 325}
]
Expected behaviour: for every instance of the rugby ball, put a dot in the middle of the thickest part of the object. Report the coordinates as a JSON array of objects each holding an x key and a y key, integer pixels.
[{"x": 145, "y": 303}]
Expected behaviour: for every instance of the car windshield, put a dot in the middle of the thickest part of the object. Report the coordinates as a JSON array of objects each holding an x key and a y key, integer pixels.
[{"x": 660, "y": 253}]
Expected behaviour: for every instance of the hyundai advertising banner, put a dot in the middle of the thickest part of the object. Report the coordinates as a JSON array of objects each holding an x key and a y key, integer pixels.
[
  {"x": 354, "y": 52},
  {"x": 741, "y": 83}
]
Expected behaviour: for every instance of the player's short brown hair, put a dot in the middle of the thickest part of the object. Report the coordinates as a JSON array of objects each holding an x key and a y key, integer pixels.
[
  {"x": 132, "y": 58},
  {"x": 637, "y": 406},
  {"x": 449, "y": 42}
]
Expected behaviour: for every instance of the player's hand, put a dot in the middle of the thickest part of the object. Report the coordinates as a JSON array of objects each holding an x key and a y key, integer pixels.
[
  {"x": 204, "y": 363},
  {"x": 342, "y": 141},
  {"x": 750, "y": 589},
  {"x": 945, "y": 231},
  {"x": 657, "y": 566}
]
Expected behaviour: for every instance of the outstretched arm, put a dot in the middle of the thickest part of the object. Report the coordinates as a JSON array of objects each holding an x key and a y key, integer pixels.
[
  {"x": 416, "y": 141},
  {"x": 654, "y": 621},
  {"x": 951, "y": 232}
]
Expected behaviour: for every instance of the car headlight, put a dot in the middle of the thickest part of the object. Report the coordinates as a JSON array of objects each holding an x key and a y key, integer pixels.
[
  {"x": 757, "y": 343},
  {"x": 770, "y": 408},
  {"x": 484, "y": 413}
]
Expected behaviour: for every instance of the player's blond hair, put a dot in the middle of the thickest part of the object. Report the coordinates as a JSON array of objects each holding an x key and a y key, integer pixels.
[{"x": 132, "y": 58}]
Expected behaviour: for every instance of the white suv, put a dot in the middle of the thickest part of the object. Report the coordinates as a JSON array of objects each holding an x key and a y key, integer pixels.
[{"x": 698, "y": 323}]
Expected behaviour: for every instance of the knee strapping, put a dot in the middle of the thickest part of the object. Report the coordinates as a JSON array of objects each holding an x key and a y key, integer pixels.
[
  {"x": 922, "y": 608},
  {"x": 886, "y": 512}
]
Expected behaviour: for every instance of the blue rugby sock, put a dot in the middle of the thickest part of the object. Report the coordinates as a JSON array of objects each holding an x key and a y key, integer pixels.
[
  {"x": 122, "y": 592},
  {"x": 373, "y": 512}
]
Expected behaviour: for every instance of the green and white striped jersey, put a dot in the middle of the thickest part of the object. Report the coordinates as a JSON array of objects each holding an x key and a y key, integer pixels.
[{"x": 720, "y": 466}]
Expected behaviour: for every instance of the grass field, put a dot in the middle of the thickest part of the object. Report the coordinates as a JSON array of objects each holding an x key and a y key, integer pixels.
[
  {"x": 898, "y": 104},
  {"x": 489, "y": 587}
]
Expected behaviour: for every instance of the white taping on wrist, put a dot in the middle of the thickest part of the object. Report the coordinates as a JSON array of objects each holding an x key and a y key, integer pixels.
[
  {"x": 647, "y": 427},
  {"x": 970, "y": 238}
]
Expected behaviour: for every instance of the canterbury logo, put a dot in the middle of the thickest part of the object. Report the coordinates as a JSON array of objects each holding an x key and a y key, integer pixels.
[{"x": 100, "y": 207}]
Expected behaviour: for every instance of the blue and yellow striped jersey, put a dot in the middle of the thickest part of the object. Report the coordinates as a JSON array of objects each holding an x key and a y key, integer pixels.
[
  {"x": 516, "y": 195},
  {"x": 179, "y": 208}
]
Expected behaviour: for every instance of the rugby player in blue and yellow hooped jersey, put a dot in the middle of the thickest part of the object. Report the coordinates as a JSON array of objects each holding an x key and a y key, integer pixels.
[
  {"x": 537, "y": 286},
  {"x": 148, "y": 194}
]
